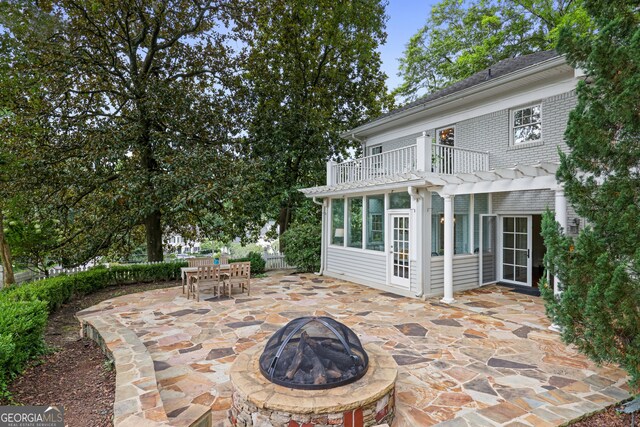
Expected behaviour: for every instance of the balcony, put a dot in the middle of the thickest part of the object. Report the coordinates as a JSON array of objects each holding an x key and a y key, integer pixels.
[{"x": 444, "y": 159}]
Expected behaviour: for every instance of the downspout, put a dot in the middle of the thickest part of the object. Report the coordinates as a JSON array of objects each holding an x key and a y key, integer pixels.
[
  {"x": 322, "y": 237},
  {"x": 415, "y": 195},
  {"x": 361, "y": 141}
]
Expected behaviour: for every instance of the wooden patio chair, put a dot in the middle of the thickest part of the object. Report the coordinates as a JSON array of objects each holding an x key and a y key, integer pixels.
[
  {"x": 208, "y": 275},
  {"x": 224, "y": 259},
  {"x": 239, "y": 275},
  {"x": 196, "y": 262}
]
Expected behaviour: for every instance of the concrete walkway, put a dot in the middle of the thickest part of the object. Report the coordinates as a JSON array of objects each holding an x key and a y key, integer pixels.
[{"x": 486, "y": 360}]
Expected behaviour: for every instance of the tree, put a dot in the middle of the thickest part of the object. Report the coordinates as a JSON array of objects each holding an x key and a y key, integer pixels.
[
  {"x": 140, "y": 119},
  {"x": 19, "y": 91},
  {"x": 599, "y": 308},
  {"x": 313, "y": 72},
  {"x": 461, "y": 38}
]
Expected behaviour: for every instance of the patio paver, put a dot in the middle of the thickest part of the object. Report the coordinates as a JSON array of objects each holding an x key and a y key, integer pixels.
[{"x": 488, "y": 359}]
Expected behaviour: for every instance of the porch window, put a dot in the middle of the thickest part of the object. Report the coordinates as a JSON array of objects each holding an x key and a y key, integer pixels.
[
  {"x": 375, "y": 223},
  {"x": 354, "y": 223},
  {"x": 526, "y": 125},
  {"x": 400, "y": 200},
  {"x": 480, "y": 206},
  {"x": 461, "y": 242},
  {"x": 337, "y": 222},
  {"x": 461, "y": 206}
]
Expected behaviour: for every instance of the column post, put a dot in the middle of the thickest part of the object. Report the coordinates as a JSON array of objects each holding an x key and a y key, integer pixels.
[
  {"x": 423, "y": 153},
  {"x": 448, "y": 249},
  {"x": 330, "y": 175},
  {"x": 561, "y": 218}
]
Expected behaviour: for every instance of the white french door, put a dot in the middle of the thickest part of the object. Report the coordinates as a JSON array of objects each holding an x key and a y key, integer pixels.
[
  {"x": 398, "y": 256},
  {"x": 515, "y": 239}
]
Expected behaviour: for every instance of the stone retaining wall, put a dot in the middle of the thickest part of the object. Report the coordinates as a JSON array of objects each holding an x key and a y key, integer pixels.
[{"x": 245, "y": 414}]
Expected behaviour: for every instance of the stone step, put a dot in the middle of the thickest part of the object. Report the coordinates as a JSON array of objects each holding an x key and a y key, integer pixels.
[{"x": 138, "y": 402}]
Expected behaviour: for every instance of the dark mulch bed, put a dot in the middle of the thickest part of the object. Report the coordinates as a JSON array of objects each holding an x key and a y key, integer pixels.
[
  {"x": 608, "y": 418},
  {"x": 76, "y": 375}
]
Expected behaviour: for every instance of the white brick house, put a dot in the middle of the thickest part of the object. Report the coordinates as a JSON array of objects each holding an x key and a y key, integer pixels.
[{"x": 451, "y": 188}]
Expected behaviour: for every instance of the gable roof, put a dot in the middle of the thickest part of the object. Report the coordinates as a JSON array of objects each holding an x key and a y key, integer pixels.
[{"x": 500, "y": 69}]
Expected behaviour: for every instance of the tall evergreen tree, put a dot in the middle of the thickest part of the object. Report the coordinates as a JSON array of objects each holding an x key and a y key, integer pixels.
[{"x": 599, "y": 308}]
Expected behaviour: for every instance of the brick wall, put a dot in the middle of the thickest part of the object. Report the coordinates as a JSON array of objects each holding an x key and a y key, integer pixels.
[
  {"x": 490, "y": 132},
  {"x": 395, "y": 143}
]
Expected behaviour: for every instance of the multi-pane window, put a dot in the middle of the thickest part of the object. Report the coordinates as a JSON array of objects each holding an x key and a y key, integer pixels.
[
  {"x": 526, "y": 125},
  {"x": 337, "y": 222},
  {"x": 375, "y": 222},
  {"x": 446, "y": 136},
  {"x": 376, "y": 150},
  {"x": 354, "y": 223},
  {"x": 376, "y": 162},
  {"x": 400, "y": 200}
]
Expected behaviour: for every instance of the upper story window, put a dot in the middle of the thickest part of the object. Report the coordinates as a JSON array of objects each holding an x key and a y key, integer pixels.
[
  {"x": 526, "y": 124},
  {"x": 446, "y": 136},
  {"x": 376, "y": 150}
]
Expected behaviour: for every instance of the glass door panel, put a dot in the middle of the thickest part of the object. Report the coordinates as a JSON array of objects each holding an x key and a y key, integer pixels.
[
  {"x": 516, "y": 249},
  {"x": 488, "y": 253},
  {"x": 399, "y": 251}
]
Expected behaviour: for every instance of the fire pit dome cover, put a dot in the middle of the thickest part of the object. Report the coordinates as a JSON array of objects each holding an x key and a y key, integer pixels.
[{"x": 313, "y": 353}]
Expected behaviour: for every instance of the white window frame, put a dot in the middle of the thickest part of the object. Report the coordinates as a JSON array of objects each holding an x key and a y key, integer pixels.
[
  {"x": 344, "y": 222},
  {"x": 374, "y": 147},
  {"x": 455, "y": 132},
  {"x": 512, "y": 113}
]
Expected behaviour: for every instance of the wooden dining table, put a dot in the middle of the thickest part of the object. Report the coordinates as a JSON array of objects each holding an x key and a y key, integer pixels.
[{"x": 188, "y": 272}]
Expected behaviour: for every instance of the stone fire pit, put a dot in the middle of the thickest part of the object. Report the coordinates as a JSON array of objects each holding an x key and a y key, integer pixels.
[{"x": 366, "y": 402}]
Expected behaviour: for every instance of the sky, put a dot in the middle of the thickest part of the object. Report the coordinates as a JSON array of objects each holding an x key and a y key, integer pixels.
[{"x": 405, "y": 18}]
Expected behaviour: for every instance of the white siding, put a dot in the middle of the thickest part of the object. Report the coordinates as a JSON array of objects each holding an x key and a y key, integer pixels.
[
  {"x": 465, "y": 274},
  {"x": 395, "y": 144},
  {"x": 413, "y": 276},
  {"x": 528, "y": 203},
  {"x": 368, "y": 266}
]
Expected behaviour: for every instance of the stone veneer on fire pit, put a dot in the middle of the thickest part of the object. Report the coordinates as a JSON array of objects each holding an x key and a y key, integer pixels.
[{"x": 366, "y": 402}]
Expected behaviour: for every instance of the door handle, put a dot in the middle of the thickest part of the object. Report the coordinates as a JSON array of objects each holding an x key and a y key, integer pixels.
[{"x": 527, "y": 253}]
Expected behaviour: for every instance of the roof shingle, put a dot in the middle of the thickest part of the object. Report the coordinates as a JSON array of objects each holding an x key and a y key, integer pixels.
[{"x": 500, "y": 69}]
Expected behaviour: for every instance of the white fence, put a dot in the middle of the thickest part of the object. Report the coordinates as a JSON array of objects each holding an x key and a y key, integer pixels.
[{"x": 275, "y": 262}]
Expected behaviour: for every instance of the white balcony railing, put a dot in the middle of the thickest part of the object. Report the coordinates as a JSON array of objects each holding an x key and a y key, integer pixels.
[
  {"x": 442, "y": 159},
  {"x": 451, "y": 160},
  {"x": 381, "y": 165}
]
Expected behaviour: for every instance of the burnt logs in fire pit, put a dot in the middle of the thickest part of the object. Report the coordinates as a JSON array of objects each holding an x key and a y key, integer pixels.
[{"x": 313, "y": 353}]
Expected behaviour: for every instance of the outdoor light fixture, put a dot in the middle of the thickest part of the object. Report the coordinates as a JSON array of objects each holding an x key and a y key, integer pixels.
[
  {"x": 442, "y": 219},
  {"x": 575, "y": 227}
]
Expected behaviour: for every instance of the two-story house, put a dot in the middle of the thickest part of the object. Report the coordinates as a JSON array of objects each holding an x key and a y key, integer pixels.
[{"x": 449, "y": 193}]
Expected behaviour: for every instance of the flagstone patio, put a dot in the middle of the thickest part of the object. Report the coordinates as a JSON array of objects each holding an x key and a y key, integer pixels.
[{"x": 486, "y": 360}]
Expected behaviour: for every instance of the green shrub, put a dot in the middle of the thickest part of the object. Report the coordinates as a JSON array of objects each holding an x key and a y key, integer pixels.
[
  {"x": 301, "y": 243},
  {"x": 257, "y": 262},
  {"x": 24, "y": 309},
  {"x": 61, "y": 289},
  {"x": 22, "y": 324}
]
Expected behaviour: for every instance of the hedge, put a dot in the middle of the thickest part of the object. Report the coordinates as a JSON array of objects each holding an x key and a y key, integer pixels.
[
  {"x": 24, "y": 309},
  {"x": 257, "y": 262}
]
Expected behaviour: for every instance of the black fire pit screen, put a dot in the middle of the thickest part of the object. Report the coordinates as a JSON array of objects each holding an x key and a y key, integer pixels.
[{"x": 314, "y": 353}]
